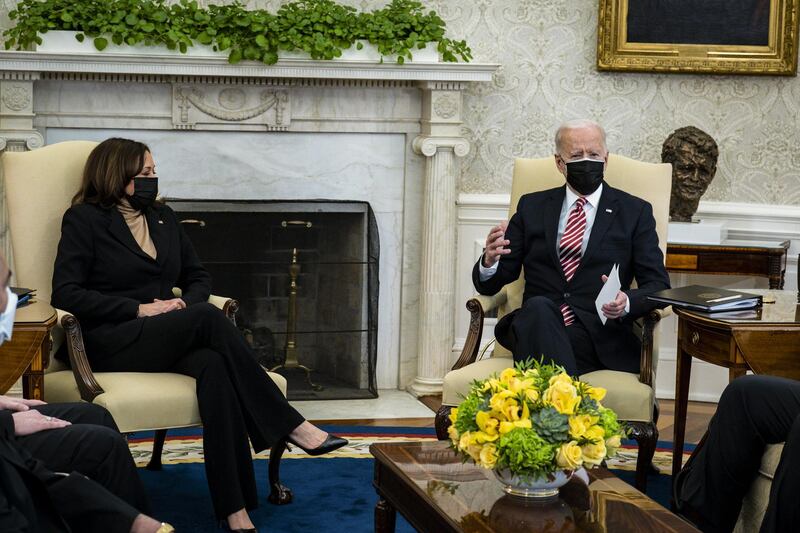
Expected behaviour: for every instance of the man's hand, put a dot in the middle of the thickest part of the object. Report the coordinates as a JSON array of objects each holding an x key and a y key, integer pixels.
[
  {"x": 496, "y": 244},
  {"x": 18, "y": 404},
  {"x": 160, "y": 306},
  {"x": 30, "y": 422},
  {"x": 615, "y": 309}
]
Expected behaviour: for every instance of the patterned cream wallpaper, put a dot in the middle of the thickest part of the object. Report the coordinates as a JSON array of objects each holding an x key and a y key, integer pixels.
[{"x": 546, "y": 49}]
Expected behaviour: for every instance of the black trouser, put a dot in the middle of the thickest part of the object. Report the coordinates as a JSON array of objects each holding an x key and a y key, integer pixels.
[
  {"x": 537, "y": 329},
  {"x": 103, "y": 492},
  {"x": 93, "y": 446},
  {"x": 235, "y": 396},
  {"x": 753, "y": 411}
]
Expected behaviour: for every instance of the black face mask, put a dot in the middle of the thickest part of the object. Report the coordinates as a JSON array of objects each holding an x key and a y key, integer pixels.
[
  {"x": 144, "y": 192},
  {"x": 585, "y": 176}
]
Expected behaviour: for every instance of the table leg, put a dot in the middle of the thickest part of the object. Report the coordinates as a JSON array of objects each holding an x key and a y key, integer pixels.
[
  {"x": 776, "y": 272},
  {"x": 385, "y": 517},
  {"x": 682, "y": 375}
]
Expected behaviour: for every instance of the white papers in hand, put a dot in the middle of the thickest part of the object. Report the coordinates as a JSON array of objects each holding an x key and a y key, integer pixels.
[{"x": 608, "y": 293}]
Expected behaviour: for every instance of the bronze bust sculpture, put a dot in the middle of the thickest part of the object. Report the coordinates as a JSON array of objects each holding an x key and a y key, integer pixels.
[{"x": 693, "y": 154}]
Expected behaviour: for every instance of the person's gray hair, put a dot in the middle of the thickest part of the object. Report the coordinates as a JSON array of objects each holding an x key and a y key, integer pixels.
[{"x": 578, "y": 124}]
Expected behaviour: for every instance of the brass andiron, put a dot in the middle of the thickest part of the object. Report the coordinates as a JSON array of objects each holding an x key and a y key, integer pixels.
[{"x": 291, "y": 326}]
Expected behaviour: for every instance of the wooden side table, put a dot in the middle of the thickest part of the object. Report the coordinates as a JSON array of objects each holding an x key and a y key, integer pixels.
[
  {"x": 27, "y": 354},
  {"x": 764, "y": 340},
  {"x": 744, "y": 258}
]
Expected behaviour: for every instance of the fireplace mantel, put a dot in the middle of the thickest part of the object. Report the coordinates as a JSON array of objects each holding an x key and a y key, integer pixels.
[
  {"x": 110, "y": 66},
  {"x": 344, "y": 109}
]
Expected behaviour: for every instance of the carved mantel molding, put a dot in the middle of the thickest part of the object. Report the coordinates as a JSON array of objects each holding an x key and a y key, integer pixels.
[{"x": 159, "y": 68}]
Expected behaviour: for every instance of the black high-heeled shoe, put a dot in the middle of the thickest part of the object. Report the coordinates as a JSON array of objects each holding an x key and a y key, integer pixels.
[
  {"x": 331, "y": 443},
  {"x": 223, "y": 524}
]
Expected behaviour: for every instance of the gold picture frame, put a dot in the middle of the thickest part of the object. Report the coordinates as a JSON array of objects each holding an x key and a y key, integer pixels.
[{"x": 645, "y": 44}]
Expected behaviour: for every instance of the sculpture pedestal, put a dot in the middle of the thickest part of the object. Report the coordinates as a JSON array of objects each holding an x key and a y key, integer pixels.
[{"x": 700, "y": 232}]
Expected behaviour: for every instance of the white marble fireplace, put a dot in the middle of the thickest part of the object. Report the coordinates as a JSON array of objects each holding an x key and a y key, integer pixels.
[{"x": 381, "y": 133}]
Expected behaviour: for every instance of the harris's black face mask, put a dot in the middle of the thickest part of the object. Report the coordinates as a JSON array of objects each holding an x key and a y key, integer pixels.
[
  {"x": 585, "y": 176},
  {"x": 145, "y": 190}
]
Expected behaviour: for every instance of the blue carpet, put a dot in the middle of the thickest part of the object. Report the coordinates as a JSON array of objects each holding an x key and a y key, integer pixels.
[{"x": 329, "y": 494}]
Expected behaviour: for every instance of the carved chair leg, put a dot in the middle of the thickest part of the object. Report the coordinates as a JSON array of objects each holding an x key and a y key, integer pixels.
[
  {"x": 646, "y": 436},
  {"x": 278, "y": 494},
  {"x": 158, "y": 446},
  {"x": 442, "y": 421}
]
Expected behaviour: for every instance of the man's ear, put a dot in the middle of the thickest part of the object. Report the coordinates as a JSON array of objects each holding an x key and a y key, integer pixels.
[{"x": 560, "y": 164}]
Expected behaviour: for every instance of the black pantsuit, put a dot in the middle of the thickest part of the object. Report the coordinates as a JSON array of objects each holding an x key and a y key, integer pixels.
[
  {"x": 753, "y": 411},
  {"x": 537, "y": 329},
  {"x": 102, "y": 491},
  {"x": 102, "y": 275},
  {"x": 235, "y": 395}
]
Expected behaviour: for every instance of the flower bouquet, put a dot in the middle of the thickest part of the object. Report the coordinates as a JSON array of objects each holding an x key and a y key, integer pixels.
[{"x": 534, "y": 426}]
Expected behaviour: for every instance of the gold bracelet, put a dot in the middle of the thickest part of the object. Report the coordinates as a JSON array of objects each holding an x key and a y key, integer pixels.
[{"x": 165, "y": 528}]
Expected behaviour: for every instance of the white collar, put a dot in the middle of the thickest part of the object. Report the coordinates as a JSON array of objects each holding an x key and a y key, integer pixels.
[{"x": 593, "y": 199}]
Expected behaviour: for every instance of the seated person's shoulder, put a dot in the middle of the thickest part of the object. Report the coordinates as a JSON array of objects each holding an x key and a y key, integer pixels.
[
  {"x": 83, "y": 211},
  {"x": 630, "y": 199}
]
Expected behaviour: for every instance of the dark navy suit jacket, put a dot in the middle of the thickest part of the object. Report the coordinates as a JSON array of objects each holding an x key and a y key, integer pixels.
[{"x": 624, "y": 232}]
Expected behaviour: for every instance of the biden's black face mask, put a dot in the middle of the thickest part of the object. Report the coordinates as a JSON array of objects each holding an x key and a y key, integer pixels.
[{"x": 585, "y": 176}]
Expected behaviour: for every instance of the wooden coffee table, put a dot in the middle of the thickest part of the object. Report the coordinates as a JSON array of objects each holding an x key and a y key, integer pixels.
[{"x": 436, "y": 492}]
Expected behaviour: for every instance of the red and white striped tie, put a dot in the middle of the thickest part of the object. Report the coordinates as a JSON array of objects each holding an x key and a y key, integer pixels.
[{"x": 569, "y": 250}]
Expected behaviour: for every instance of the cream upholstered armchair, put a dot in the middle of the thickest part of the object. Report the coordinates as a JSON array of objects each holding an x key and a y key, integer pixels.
[
  {"x": 39, "y": 186},
  {"x": 630, "y": 395}
]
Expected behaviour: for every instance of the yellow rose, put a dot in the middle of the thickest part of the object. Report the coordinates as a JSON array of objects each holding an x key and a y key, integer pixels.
[
  {"x": 596, "y": 393},
  {"x": 579, "y": 424},
  {"x": 560, "y": 378},
  {"x": 488, "y": 456},
  {"x": 569, "y": 456},
  {"x": 612, "y": 445},
  {"x": 480, "y": 437},
  {"x": 595, "y": 433},
  {"x": 465, "y": 441},
  {"x": 532, "y": 394},
  {"x": 593, "y": 454},
  {"x": 518, "y": 385},
  {"x": 453, "y": 434},
  {"x": 505, "y": 427},
  {"x": 499, "y": 400},
  {"x": 453, "y": 415},
  {"x": 562, "y": 396},
  {"x": 507, "y": 375},
  {"x": 474, "y": 451},
  {"x": 486, "y": 423}
]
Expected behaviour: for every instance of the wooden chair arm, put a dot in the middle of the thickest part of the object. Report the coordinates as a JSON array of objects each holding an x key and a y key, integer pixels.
[
  {"x": 473, "y": 340},
  {"x": 84, "y": 378},
  {"x": 649, "y": 323},
  {"x": 478, "y": 306},
  {"x": 229, "y": 306}
]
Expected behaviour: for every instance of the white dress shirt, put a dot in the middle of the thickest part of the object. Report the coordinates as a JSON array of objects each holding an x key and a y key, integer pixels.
[{"x": 589, "y": 209}]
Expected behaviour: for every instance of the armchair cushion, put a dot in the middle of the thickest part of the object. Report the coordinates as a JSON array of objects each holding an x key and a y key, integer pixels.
[
  {"x": 457, "y": 382},
  {"x": 630, "y": 399},
  {"x": 162, "y": 400}
]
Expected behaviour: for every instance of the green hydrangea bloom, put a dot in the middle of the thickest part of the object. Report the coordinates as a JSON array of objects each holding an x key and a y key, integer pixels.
[{"x": 525, "y": 453}]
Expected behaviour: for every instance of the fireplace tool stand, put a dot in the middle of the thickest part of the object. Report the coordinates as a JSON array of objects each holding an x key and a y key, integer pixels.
[{"x": 291, "y": 327}]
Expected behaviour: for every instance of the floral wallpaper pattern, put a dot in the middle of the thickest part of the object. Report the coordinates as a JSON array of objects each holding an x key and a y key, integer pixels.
[{"x": 546, "y": 49}]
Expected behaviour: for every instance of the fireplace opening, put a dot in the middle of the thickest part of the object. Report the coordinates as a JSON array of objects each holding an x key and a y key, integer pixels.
[{"x": 305, "y": 274}]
